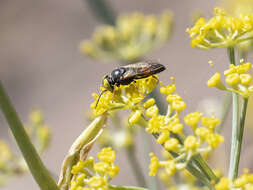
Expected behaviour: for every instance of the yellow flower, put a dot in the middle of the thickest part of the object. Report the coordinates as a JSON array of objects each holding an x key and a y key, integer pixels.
[
  {"x": 241, "y": 181},
  {"x": 97, "y": 182},
  {"x": 152, "y": 111},
  {"x": 123, "y": 97},
  {"x": 215, "y": 81},
  {"x": 236, "y": 77},
  {"x": 36, "y": 117},
  {"x": 233, "y": 79},
  {"x": 164, "y": 136},
  {"x": 178, "y": 105},
  {"x": 214, "y": 139},
  {"x": 134, "y": 117},
  {"x": 221, "y": 30},
  {"x": 223, "y": 184},
  {"x": 192, "y": 119},
  {"x": 171, "y": 144},
  {"x": 154, "y": 164},
  {"x": 210, "y": 122},
  {"x": 190, "y": 143},
  {"x": 90, "y": 175},
  {"x": 150, "y": 102},
  {"x": 170, "y": 168},
  {"x": 125, "y": 40},
  {"x": 155, "y": 123},
  {"x": 107, "y": 155}
]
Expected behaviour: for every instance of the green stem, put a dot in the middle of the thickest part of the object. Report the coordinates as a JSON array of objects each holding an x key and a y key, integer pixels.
[
  {"x": 233, "y": 170},
  {"x": 231, "y": 55},
  {"x": 116, "y": 187},
  {"x": 103, "y": 11},
  {"x": 131, "y": 154},
  {"x": 201, "y": 163},
  {"x": 235, "y": 118},
  {"x": 36, "y": 166}
]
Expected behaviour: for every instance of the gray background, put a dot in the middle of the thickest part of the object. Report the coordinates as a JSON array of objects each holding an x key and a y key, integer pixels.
[{"x": 41, "y": 68}]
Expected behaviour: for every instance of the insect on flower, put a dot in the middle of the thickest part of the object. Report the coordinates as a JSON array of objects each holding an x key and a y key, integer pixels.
[{"x": 127, "y": 74}]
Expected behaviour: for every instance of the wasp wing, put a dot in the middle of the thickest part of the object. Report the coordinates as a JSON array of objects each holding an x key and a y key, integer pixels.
[{"x": 141, "y": 70}]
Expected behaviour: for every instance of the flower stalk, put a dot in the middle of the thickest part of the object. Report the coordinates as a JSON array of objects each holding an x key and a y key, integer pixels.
[
  {"x": 235, "y": 122},
  {"x": 36, "y": 166},
  {"x": 233, "y": 170}
]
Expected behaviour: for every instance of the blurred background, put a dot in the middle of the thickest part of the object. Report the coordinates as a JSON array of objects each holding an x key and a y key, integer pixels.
[{"x": 42, "y": 68}]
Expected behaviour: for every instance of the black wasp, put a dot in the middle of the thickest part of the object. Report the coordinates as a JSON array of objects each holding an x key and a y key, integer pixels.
[{"x": 126, "y": 74}]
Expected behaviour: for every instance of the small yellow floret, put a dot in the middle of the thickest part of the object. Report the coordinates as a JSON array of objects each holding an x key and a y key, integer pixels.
[
  {"x": 210, "y": 122},
  {"x": 190, "y": 142},
  {"x": 154, "y": 164},
  {"x": 171, "y": 144},
  {"x": 215, "y": 81},
  {"x": 192, "y": 119},
  {"x": 169, "y": 89},
  {"x": 134, "y": 117},
  {"x": 170, "y": 168},
  {"x": 164, "y": 136},
  {"x": 97, "y": 182},
  {"x": 152, "y": 111},
  {"x": 241, "y": 181},
  {"x": 107, "y": 155},
  {"x": 233, "y": 79},
  {"x": 223, "y": 184},
  {"x": 245, "y": 79},
  {"x": 178, "y": 105},
  {"x": 150, "y": 102}
]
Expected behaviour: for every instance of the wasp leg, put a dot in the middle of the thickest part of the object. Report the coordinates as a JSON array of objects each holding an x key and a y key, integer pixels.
[
  {"x": 157, "y": 79},
  {"x": 134, "y": 83}
]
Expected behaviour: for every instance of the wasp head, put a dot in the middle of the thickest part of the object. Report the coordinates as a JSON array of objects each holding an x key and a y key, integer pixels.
[{"x": 108, "y": 83}]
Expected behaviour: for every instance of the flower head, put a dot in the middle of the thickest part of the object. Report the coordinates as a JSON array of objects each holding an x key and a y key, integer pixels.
[
  {"x": 90, "y": 175},
  {"x": 236, "y": 78},
  {"x": 123, "y": 97},
  {"x": 221, "y": 30},
  {"x": 133, "y": 36}
]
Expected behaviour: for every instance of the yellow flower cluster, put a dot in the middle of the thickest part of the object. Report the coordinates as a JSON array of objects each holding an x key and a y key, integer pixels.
[
  {"x": 12, "y": 164},
  {"x": 132, "y": 37},
  {"x": 204, "y": 138},
  {"x": 221, "y": 30},
  {"x": 244, "y": 182},
  {"x": 39, "y": 131},
  {"x": 236, "y": 78},
  {"x": 237, "y": 7},
  {"x": 88, "y": 175},
  {"x": 124, "y": 97}
]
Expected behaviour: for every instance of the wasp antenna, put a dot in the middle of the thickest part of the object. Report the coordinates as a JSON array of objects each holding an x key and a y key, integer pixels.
[{"x": 100, "y": 97}]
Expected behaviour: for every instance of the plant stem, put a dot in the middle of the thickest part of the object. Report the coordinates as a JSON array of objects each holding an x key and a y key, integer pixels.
[
  {"x": 233, "y": 170},
  {"x": 36, "y": 166},
  {"x": 201, "y": 163},
  {"x": 235, "y": 118},
  {"x": 231, "y": 55},
  {"x": 115, "y": 187},
  {"x": 131, "y": 154},
  {"x": 103, "y": 11}
]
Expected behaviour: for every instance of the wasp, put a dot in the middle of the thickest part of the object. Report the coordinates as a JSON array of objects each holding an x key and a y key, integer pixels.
[{"x": 127, "y": 74}]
